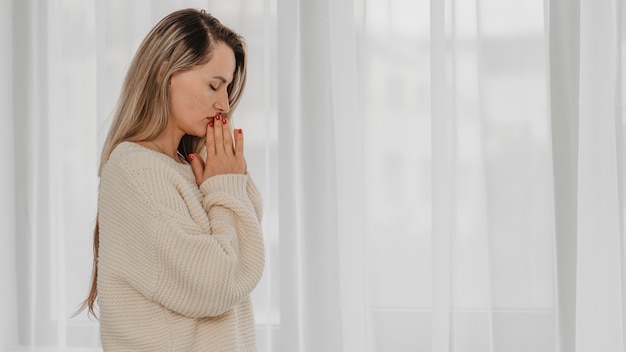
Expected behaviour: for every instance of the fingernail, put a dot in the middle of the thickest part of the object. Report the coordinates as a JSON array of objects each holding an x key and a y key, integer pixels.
[
  {"x": 240, "y": 131},
  {"x": 217, "y": 117},
  {"x": 190, "y": 157},
  {"x": 211, "y": 123},
  {"x": 224, "y": 120}
]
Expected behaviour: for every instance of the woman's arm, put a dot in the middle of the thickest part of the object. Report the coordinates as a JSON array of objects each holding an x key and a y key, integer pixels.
[{"x": 208, "y": 276}]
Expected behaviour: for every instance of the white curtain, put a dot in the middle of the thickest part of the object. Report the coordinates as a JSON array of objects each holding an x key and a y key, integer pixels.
[{"x": 438, "y": 175}]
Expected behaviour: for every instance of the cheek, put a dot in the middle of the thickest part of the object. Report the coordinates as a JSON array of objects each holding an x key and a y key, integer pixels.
[{"x": 185, "y": 101}]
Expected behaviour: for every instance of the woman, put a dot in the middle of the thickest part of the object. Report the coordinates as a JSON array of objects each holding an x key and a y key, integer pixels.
[{"x": 178, "y": 245}]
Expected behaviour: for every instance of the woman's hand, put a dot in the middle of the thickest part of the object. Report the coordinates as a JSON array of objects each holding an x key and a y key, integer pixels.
[{"x": 224, "y": 153}]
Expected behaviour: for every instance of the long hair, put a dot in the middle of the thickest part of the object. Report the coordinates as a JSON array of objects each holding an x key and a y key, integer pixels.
[{"x": 180, "y": 41}]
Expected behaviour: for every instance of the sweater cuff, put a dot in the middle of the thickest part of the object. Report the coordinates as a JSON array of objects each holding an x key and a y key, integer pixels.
[{"x": 233, "y": 184}]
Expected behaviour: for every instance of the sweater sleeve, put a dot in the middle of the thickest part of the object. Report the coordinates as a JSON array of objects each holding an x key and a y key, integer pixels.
[
  {"x": 209, "y": 275},
  {"x": 196, "y": 262}
]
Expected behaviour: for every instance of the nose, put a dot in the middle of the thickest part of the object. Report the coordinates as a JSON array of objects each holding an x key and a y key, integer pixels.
[{"x": 221, "y": 103}]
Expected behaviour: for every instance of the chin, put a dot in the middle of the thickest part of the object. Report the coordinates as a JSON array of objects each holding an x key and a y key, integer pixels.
[{"x": 198, "y": 132}]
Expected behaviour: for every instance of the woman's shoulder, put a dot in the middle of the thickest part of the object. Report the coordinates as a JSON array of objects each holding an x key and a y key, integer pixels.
[
  {"x": 131, "y": 155},
  {"x": 131, "y": 151},
  {"x": 134, "y": 161},
  {"x": 129, "y": 159},
  {"x": 136, "y": 172}
]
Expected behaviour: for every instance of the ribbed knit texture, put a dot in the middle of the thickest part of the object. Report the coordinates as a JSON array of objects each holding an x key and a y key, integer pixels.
[{"x": 177, "y": 262}]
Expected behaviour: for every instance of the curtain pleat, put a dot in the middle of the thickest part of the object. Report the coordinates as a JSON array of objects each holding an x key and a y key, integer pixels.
[
  {"x": 599, "y": 319},
  {"x": 8, "y": 295},
  {"x": 315, "y": 189},
  {"x": 564, "y": 48},
  {"x": 288, "y": 59},
  {"x": 349, "y": 170},
  {"x": 443, "y": 174}
]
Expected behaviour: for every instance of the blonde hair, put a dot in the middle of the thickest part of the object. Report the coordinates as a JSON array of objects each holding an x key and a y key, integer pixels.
[{"x": 180, "y": 41}]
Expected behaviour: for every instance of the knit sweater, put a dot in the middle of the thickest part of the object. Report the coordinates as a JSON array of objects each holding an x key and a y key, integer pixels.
[{"x": 177, "y": 261}]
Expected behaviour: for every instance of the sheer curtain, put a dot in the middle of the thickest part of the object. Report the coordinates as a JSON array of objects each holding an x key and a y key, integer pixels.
[{"x": 438, "y": 175}]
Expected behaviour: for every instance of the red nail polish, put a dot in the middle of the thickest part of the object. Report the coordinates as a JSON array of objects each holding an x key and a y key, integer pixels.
[
  {"x": 211, "y": 123},
  {"x": 218, "y": 116},
  {"x": 224, "y": 120},
  {"x": 240, "y": 131},
  {"x": 190, "y": 157}
]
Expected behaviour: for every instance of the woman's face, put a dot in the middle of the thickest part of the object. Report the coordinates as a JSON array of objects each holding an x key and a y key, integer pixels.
[{"x": 197, "y": 95}]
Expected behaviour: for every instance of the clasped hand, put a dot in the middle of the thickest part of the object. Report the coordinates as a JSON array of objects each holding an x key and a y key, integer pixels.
[{"x": 224, "y": 152}]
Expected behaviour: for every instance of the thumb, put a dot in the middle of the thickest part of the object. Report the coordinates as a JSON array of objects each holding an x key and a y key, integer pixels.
[{"x": 197, "y": 165}]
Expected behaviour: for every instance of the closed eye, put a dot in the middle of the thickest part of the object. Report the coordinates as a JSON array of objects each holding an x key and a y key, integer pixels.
[{"x": 219, "y": 80}]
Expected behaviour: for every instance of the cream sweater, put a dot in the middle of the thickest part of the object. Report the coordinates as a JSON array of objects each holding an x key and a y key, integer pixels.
[{"x": 177, "y": 262}]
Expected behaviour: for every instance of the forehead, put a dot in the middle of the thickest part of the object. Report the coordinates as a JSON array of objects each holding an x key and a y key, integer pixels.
[{"x": 222, "y": 62}]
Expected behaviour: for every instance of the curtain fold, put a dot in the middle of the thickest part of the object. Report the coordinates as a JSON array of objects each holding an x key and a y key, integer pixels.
[
  {"x": 586, "y": 129},
  {"x": 288, "y": 58},
  {"x": 312, "y": 156},
  {"x": 562, "y": 18},
  {"x": 600, "y": 314},
  {"x": 443, "y": 174},
  {"x": 349, "y": 170},
  {"x": 30, "y": 99},
  {"x": 8, "y": 295}
]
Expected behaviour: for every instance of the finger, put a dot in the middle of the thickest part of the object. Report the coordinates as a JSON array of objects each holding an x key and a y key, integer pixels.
[
  {"x": 197, "y": 165},
  {"x": 218, "y": 135},
  {"x": 210, "y": 139},
  {"x": 238, "y": 142},
  {"x": 228, "y": 137}
]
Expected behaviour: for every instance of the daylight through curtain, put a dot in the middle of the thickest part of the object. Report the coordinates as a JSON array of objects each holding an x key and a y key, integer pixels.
[{"x": 437, "y": 175}]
